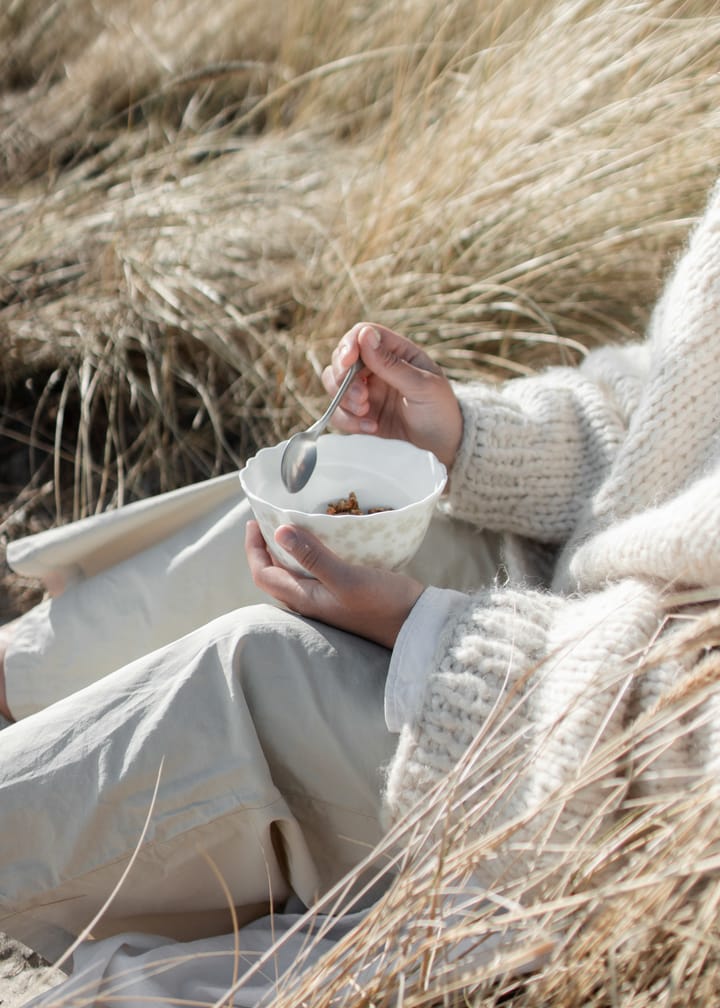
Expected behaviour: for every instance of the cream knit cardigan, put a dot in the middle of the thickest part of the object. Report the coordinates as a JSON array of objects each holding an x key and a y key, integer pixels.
[{"x": 616, "y": 464}]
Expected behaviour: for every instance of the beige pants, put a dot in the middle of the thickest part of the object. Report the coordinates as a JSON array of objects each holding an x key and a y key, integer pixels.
[{"x": 160, "y": 698}]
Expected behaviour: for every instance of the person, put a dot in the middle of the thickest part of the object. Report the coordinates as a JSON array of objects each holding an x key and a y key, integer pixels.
[{"x": 167, "y": 720}]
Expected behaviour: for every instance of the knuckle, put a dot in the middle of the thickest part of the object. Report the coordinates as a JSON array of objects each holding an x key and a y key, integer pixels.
[
  {"x": 390, "y": 359},
  {"x": 308, "y": 556}
]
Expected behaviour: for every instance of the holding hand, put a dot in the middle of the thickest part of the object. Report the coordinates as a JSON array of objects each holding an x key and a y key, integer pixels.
[
  {"x": 401, "y": 394},
  {"x": 366, "y": 601}
]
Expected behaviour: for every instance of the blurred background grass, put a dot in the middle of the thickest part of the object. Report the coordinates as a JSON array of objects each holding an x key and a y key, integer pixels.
[{"x": 196, "y": 201}]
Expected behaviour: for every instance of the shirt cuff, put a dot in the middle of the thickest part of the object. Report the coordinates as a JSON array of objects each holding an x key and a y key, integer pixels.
[{"x": 413, "y": 654}]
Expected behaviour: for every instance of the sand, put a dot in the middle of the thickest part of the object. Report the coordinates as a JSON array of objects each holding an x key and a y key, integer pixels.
[{"x": 23, "y": 974}]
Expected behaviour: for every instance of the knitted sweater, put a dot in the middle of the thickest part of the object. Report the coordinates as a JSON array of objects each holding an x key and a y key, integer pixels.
[{"x": 613, "y": 470}]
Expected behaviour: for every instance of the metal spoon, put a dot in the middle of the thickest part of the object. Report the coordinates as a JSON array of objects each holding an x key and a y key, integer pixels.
[{"x": 300, "y": 455}]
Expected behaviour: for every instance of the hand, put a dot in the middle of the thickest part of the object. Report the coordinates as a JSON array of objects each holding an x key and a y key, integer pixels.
[
  {"x": 401, "y": 394},
  {"x": 366, "y": 601}
]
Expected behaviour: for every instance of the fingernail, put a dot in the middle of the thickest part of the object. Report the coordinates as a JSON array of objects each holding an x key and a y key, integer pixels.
[
  {"x": 344, "y": 352},
  {"x": 373, "y": 335}
]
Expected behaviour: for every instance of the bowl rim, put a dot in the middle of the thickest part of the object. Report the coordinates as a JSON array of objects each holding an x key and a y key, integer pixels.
[{"x": 440, "y": 482}]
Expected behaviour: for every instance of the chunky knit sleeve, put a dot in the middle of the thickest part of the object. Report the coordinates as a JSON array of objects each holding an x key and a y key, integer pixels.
[
  {"x": 529, "y": 683},
  {"x": 535, "y": 449}
]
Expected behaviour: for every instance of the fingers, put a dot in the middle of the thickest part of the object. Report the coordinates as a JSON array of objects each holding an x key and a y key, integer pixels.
[
  {"x": 255, "y": 548},
  {"x": 345, "y": 353},
  {"x": 311, "y": 596},
  {"x": 281, "y": 584},
  {"x": 377, "y": 341},
  {"x": 258, "y": 557},
  {"x": 388, "y": 355},
  {"x": 351, "y": 416},
  {"x": 397, "y": 362},
  {"x": 314, "y": 557},
  {"x": 343, "y": 357},
  {"x": 366, "y": 601},
  {"x": 320, "y": 562}
]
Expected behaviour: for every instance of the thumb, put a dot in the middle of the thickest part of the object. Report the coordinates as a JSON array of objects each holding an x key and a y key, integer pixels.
[
  {"x": 397, "y": 361},
  {"x": 312, "y": 554}
]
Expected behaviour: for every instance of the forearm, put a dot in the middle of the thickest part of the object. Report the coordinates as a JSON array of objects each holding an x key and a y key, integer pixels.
[{"x": 535, "y": 449}]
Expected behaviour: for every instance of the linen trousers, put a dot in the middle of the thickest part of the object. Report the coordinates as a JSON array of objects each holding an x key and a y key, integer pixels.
[{"x": 179, "y": 739}]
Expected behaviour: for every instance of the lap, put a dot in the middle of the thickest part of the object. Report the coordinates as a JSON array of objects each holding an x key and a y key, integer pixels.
[
  {"x": 264, "y": 733},
  {"x": 265, "y": 736}
]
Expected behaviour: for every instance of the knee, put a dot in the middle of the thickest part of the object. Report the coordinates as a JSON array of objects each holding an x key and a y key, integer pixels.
[
  {"x": 260, "y": 619},
  {"x": 257, "y": 633},
  {"x": 269, "y": 646}
]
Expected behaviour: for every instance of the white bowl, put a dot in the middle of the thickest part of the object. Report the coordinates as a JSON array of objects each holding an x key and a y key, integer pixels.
[{"x": 382, "y": 472}]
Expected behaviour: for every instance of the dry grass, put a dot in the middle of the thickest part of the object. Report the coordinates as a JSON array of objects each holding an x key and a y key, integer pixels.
[
  {"x": 626, "y": 916},
  {"x": 195, "y": 206},
  {"x": 197, "y": 200}
]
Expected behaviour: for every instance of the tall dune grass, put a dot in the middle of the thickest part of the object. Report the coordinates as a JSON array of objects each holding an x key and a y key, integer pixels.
[
  {"x": 197, "y": 200},
  {"x": 195, "y": 205}
]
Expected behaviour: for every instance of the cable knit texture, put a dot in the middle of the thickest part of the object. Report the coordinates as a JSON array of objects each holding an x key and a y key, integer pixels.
[{"x": 616, "y": 466}]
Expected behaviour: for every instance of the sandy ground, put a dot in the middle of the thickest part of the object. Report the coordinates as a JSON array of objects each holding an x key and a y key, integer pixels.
[{"x": 22, "y": 974}]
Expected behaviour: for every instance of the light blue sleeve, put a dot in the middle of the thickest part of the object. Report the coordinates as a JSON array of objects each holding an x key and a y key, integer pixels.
[{"x": 413, "y": 654}]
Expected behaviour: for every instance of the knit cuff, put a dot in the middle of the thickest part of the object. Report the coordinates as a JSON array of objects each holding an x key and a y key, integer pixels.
[
  {"x": 520, "y": 467},
  {"x": 465, "y": 495},
  {"x": 534, "y": 451}
]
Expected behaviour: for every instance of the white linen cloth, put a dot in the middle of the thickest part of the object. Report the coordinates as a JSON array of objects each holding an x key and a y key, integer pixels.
[{"x": 135, "y": 969}]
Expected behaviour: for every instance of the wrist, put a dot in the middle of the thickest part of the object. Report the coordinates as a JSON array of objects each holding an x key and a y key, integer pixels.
[
  {"x": 393, "y": 625},
  {"x": 454, "y": 439}
]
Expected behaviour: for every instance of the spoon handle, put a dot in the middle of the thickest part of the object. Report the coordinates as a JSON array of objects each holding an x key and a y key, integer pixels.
[{"x": 325, "y": 418}]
